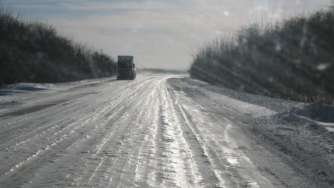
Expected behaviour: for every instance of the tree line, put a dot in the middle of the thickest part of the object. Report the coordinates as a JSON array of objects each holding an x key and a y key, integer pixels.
[
  {"x": 291, "y": 59},
  {"x": 35, "y": 52}
]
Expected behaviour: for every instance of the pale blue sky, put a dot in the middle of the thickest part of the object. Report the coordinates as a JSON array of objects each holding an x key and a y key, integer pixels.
[{"x": 159, "y": 33}]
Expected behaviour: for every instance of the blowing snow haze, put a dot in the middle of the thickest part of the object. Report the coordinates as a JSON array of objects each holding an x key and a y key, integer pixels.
[{"x": 160, "y": 34}]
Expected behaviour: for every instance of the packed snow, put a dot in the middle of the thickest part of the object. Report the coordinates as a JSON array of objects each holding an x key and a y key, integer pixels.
[{"x": 159, "y": 131}]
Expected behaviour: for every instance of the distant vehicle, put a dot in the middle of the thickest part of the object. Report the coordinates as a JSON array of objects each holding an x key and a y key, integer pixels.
[{"x": 126, "y": 68}]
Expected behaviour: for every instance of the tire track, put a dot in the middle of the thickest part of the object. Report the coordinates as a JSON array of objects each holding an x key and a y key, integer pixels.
[{"x": 52, "y": 147}]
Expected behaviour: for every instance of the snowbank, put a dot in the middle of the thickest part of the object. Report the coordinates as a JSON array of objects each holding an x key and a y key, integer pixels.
[
  {"x": 302, "y": 133},
  {"x": 15, "y": 95}
]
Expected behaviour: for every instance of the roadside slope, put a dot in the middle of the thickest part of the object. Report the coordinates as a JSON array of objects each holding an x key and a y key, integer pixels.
[{"x": 298, "y": 144}]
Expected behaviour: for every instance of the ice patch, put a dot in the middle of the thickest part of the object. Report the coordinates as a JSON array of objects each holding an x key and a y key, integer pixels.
[
  {"x": 319, "y": 113},
  {"x": 232, "y": 160}
]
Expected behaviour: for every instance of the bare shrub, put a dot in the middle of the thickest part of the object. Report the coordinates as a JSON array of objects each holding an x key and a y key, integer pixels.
[
  {"x": 35, "y": 52},
  {"x": 292, "y": 59}
]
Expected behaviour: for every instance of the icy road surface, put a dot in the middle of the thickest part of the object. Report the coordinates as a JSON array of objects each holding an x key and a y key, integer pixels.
[{"x": 141, "y": 133}]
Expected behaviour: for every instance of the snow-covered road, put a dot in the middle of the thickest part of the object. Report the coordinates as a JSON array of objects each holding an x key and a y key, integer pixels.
[{"x": 149, "y": 132}]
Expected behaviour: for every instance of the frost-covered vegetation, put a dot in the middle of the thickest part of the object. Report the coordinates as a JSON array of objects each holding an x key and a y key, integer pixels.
[
  {"x": 292, "y": 59},
  {"x": 35, "y": 52}
]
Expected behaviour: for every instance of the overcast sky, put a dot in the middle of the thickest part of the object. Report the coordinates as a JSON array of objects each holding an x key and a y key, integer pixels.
[{"x": 159, "y": 33}]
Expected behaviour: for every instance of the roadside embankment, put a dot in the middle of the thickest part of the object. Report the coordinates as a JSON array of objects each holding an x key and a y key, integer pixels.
[{"x": 298, "y": 132}]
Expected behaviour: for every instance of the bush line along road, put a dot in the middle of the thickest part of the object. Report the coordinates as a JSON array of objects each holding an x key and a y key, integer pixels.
[
  {"x": 155, "y": 131},
  {"x": 291, "y": 59}
]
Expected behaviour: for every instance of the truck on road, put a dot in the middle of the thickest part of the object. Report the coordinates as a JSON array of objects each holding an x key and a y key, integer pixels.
[{"x": 126, "y": 68}]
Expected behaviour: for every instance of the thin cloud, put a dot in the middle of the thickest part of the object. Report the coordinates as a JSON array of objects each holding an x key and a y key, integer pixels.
[{"x": 159, "y": 33}]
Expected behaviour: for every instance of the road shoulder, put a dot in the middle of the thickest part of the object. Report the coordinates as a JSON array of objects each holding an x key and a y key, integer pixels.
[{"x": 294, "y": 146}]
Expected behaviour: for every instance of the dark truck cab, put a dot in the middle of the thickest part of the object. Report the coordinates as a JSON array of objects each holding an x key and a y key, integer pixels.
[{"x": 126, "y": 68}]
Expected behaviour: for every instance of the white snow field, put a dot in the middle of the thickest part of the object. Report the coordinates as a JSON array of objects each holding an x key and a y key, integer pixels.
[{"x": 155, "y": 131}]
